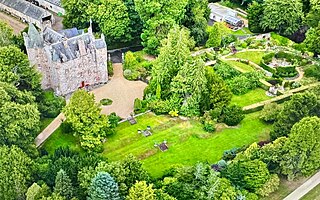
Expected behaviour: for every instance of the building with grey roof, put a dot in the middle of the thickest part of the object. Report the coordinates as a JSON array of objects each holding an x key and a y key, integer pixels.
[
  {"x": 68, "y": 59},
  {"x": 53, "y": 5},
  {"x": 223, "y": 14},
  {"x": 27, "y": 12}
]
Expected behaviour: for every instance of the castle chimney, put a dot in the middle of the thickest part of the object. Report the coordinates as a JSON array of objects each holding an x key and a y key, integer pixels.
[{"x": 82, "y": 47}]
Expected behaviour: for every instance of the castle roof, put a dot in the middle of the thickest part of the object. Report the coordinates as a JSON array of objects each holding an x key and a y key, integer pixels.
[
  {"x": 27, "y": 9},
  {"x": 64, "y": 45},
  {"x": 35, "y": 39}
]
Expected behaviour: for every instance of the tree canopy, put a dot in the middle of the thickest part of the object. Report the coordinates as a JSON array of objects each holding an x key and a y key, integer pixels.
[{"x": 84, "y": 116}]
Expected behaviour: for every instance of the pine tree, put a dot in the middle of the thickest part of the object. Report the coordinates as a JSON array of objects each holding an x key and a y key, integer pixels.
[
  {"x": 63, "y": 185},
  {"x": 103, "y": 187}
]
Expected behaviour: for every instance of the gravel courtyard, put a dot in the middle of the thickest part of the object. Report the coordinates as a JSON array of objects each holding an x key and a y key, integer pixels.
[{"x": 121, "y": 91}]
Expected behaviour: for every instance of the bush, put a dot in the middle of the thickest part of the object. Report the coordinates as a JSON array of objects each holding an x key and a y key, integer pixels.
[
  {"x": 226, "y": 71},
  {"x": 232, "y": 115},
  {"x": 268, "y": 57},
  {"x": 66, "y": 127},
  {"x": 313, "y": 71},
  {"x": 137, "y": 105},
  {"x": 50, "y": 105},
  {"x": 106, "y": 102},
  {"x": 270, "y": 186},
  {"x": 110, "y": 68},
  {"x": 113, "y": 120},
  {"x": 289, "y": 71},
  {"x": 239, "y": 85},
  {"x": 174, "y": 113},
  {"x": 270, "y": 112},
  {"x": 209, "y": 126},
  {"x": 230, "y": 154}
]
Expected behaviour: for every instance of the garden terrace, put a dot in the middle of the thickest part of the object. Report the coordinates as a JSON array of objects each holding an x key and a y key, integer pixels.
[
  {"x": 281, "y": 64},
  {"x": 187, "y": 141}
]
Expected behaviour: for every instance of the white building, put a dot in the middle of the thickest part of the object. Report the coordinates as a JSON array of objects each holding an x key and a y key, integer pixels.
[
  {"x": 27, "y": 12},
  {"x": 223, "y": 14}
]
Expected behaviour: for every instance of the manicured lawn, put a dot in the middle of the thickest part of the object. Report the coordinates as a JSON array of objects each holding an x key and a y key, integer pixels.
[
  {"x": 254, "y": 96},
  {"x": 314, "y": 194},
  {"x": 240, "y": 66},
  {"x": 59, "y": 139},
  {"x": 254, "y": 56},
  {"x": 188, "y": 143}
]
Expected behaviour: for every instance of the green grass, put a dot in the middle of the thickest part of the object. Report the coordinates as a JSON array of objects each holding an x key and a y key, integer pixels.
[
  {"x": 254, "y": 56},
  {"x": 253, "y": 96},
  {"x": 242, "y": 67},
  {"x": 243, "y": 31},
  {"x": 314, "y": 194},
  {"x": 188, "y": 143},
  {"x": 60, "y": 139}
]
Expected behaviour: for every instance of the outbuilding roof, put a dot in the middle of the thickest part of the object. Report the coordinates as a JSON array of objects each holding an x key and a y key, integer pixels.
[{"x": 26, "y": 8}]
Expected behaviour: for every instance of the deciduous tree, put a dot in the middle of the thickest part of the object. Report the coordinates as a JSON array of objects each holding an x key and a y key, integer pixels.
[
  {"x": 301, "y": 151},
  {"x": 282, "y": 16},
  {"x": 84, "y": 116},
  {"x": 15, "y": 173}
]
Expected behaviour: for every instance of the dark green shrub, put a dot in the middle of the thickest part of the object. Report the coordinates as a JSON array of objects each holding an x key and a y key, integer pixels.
[
  {"x": 137, "y": 105},
  {"x": 209, "y": 126},
  {"x": 270, "y": 112},
  {"x": 289, "y": 71},
  {"x": 110, "y": 68},
  {"x": 50, "y": 105},
  {"x": 66, "y": 127},
  {"x": 106, "y": 102},
  {"x": 268, "y": 57},
  {"x": 113, "y": 120},
  {"x": 313, "y": 71},
  {"x": 225, "y": 71},
  {"x": 232, "y": 115}
]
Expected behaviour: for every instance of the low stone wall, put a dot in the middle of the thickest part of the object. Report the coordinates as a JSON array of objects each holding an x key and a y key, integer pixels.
[{"x": 279, "y": 99}]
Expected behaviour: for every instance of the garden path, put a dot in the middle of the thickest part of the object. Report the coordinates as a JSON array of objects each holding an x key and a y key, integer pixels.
[
  {"x": 304, "y": 188},
  {"x": 45, "y": 134},
  {"x": 121, "y": 91}
]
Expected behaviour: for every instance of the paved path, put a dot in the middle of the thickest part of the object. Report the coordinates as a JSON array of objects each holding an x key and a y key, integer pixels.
[
  {"x": 304, "y": 188},
  {"x": 45, "y": 134}
]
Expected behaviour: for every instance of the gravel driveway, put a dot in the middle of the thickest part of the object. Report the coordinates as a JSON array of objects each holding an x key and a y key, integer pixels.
[{"x": 121, "y": 91}]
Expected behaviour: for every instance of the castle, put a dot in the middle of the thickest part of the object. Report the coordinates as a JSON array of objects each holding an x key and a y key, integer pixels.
[{"x": 67, "y": 59}]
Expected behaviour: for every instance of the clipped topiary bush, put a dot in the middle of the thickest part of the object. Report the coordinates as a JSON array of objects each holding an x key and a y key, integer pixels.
[
  {"x": 106, "y": 102},
  {"x": 232, "y": 115}
]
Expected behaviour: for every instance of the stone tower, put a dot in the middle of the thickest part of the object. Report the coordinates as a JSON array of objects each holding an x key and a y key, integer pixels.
[{"x": 67, "y": 59}]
